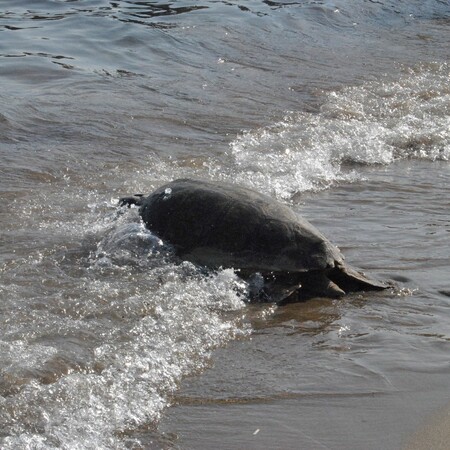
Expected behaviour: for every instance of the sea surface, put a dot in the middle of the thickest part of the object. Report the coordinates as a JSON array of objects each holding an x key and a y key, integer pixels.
[{"x": 339, "y": 109}]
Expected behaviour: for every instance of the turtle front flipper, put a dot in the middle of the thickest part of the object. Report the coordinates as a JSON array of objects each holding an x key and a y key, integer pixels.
[
  {"x": 280, "y": 293},
  {"x": 135, "y": 199},
  {"x": 352, "y": 280},
  {"x": 316, "y": 283},
  {"x": 284, "y": 289}
]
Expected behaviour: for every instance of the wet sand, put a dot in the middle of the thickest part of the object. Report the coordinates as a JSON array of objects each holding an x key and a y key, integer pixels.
[{"x": 434, "y": 434}]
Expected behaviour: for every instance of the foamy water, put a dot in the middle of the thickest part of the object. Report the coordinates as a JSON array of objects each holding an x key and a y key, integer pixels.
[
  {"x": 377, "y": 123},
  {"x": 99, "y": 351}
]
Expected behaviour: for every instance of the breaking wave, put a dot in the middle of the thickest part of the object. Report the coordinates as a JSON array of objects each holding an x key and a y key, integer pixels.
[{"x": 379, "y": 122}]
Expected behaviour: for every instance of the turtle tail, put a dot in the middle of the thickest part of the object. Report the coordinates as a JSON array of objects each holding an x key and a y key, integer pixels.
[{"x": 135, "y": 199}]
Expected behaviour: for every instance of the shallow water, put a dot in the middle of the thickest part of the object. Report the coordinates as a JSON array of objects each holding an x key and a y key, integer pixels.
[
  {"x": 357, "y": 373},
  {"x": 340, "y": 111}
]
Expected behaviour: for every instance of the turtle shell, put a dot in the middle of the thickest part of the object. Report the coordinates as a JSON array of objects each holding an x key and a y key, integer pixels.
[{"x": 223, "y": 225}]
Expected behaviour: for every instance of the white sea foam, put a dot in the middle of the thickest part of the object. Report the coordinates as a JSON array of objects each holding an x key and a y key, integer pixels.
[
  {"x": 114, "y": 344},
  {"x": 375, "y": 123}
]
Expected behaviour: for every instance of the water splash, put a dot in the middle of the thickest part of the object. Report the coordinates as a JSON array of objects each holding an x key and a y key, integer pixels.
[
  {"x": 110, "y": 342},
  {"x": 376, "y": 123}
]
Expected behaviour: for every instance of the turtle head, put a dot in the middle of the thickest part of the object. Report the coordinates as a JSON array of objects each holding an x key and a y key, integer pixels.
[{"x": 135, "y": 199}]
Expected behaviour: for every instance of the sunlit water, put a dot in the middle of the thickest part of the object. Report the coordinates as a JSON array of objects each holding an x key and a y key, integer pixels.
[{"x": 341, "y": 111}]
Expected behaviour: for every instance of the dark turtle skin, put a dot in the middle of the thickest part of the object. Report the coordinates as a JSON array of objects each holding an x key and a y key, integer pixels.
[{"x": 217, "y": 225}]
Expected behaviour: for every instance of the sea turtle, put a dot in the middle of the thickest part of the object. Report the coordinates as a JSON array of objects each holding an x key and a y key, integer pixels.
[{"x": 216, "y": 224}]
